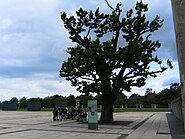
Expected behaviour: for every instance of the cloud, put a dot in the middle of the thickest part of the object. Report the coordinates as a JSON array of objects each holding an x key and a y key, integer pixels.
[
  {"x": 162, "y": 81},
  {"x": 33, "y": 45},
  {"x": 30, "y": 32},
  {"x": 41, "y": 85},
  {"x": 170, "y": 81}
]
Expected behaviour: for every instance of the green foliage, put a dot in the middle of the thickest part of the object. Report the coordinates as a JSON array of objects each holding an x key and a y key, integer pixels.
[
  {"x": 49, "y": 102},
  {"x": 71, "y": 100},
  {"x": 84, "y": 99},
  {"x": 121, "y": 99},
  {"x": 14, "y": 100},
  {"x": 162, "y": 98},
  {"x": 102, "y": 65},
  {"x": 23, "y": 103},
  {"x": 167, "y": 95},
  {"x": 35, "y": 99},
  {"x": 99, "y": 64}
]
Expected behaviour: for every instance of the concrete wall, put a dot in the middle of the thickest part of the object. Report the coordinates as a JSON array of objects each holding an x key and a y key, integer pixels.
[
  {"x": 178, "y": 7},
  {"x": 9, "y": 106},
  {"x": 61, "y": 104},
  {"x": 176, "y": 107},
  {"x": 34, "y": 106}
]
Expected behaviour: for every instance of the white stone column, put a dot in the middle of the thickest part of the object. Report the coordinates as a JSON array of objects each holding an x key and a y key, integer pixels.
[
  {"x": 140, "y": 106},
  {"x": 126, "y": 106},
  {"x": 77, "y": 103},
  {"x": 136, "y": 105}
]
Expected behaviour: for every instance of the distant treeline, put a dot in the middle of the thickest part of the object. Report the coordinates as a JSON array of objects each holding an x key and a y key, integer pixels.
[{"x": 162, "y": 99}]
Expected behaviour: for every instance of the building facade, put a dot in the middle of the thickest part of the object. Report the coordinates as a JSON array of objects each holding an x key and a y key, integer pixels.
[{"x": 178, "y": 7}]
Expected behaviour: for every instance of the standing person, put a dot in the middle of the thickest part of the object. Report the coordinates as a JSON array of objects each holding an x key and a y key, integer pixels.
[{"x": 55, "y": 113}]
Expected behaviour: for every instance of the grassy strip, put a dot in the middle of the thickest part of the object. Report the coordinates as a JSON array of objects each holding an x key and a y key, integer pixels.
[
  {"x": 116, "y": 109},
  {"x": 137, "y": 110},
  {"x": 142, "y": 110}
]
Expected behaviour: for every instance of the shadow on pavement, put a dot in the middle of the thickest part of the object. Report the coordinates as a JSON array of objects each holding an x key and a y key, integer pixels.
[{"x": 176, "y": 127}]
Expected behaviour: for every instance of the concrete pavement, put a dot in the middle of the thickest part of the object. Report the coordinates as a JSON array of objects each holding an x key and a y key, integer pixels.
[{"x": 39, "y": 125}]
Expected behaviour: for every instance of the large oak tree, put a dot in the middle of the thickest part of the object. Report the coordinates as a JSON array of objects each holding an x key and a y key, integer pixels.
[{"x": 112, "y": 53}]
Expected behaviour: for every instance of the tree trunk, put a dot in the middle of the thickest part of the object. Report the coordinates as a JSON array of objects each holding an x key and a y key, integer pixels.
[{"x": 107, "y": 109}]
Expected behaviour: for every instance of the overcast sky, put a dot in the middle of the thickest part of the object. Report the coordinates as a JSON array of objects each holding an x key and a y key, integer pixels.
[{"x": 33, "y": 42}]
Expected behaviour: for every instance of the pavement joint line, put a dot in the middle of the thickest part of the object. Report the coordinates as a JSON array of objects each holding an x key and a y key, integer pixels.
[
  {"x": 17, "y": 131},
  {"x": 122, "y": 136},
  {"x": 78, "y": 123},
  {"x": 142, "y": 122},
  {"x": 24, "y": 130},
  {"x": 63, "y": 123},
  {"x": 60, "y": 125},
  {"x": 160, "y": 124},
  {"x": 25, "y": 124},
  {"x": 92, "y": 131},
  {"x": 163, "y": 133},
  {"x": 151, "y": 123}
]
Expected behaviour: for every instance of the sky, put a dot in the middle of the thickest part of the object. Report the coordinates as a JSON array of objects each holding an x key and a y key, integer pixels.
[{"x": 33, "y": 45}]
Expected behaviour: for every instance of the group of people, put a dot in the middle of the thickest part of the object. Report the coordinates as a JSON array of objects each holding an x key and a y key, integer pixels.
[{"x": 60, "y": 113}]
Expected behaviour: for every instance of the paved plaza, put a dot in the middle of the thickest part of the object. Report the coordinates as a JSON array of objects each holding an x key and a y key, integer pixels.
[{"x": 130, "y": 125}]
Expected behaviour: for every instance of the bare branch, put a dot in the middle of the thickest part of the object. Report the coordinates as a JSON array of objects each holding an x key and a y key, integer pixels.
[
  {"x": 109, "y": 5},
  {"x": 89, "y": 30},
  {"x": 86, "y": 78},
  {"x": 129, "y": 73},
  {"x": 149, "y": 73}
]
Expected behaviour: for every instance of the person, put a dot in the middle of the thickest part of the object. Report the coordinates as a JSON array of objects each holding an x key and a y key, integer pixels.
[
  {"x": 73, "y": 113},
  {"x": 55, "y": 113},
  {"x": 61, "y": 113},
  {"x": 65, "y": 113}
]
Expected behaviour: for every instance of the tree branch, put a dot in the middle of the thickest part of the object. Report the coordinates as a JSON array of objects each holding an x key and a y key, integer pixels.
[
  {"x": 148, "y": 73},
  {"x": 86, "y": 78},
  {"x": 109, "y": 5},
  {"x": 95, "y": 79},
  {"x": 119, "y": 77},
  {"x": 88, "y": 32},
  {"x": 80, "y": 41}
]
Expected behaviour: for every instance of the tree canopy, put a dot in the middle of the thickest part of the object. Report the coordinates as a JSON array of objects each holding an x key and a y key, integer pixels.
[{"x": 112, "y": 54}]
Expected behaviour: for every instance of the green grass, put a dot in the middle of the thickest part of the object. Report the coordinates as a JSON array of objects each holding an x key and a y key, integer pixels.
[
  {"x": 116, "y": 109},
  {"x": 46, "y": 109},
  {"x": 137, "y": 110},
  {"x": 141, "y": 110}
]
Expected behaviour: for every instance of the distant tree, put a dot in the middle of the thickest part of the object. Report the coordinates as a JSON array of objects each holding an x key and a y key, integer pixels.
[
  {"x": 35, "y": 99},
  {"x": 99, "y": 63},
  {"x": 14, "y": 100},
  {"x": 167, "y": 95},
  {"x": 121, "y": 99},
  {"x": 49, "y": 102},
  {"x": 84, "y": 99},
  {"x": 135, "y": 99},
  {"x": 150, "y": 97},
  {"x": 71, "y": 100},
  {"x": 148, "y": 91},
  {"x": 23, "y": 103}
]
